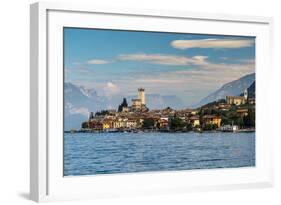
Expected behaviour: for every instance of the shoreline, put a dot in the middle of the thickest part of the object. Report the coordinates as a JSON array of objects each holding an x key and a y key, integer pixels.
[{"x": 158, "y": 131}]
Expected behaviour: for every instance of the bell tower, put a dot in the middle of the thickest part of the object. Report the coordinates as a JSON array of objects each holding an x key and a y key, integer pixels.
[{"x": 246, "y": 94}]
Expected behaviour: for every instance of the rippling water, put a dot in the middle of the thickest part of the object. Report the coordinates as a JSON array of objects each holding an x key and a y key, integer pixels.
[{"x": 106, "y": 153}]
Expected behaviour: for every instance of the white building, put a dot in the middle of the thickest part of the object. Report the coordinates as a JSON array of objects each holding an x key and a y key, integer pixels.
[{"x": 246, "y": 94}]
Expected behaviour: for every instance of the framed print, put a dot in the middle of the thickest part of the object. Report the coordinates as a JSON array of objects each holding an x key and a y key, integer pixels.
[{"x": 128, "y": 102}]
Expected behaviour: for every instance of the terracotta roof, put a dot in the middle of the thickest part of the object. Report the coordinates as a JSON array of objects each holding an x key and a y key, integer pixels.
[
  {"x": 196, "y": 117},
  {"x": 242, "y": 110},
  {"x": 210, "y": 116}
]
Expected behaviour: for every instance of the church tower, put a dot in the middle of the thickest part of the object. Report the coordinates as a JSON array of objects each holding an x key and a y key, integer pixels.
[
  {"x": 246, "y": 94},
  {"x": 141, "y": 95}
]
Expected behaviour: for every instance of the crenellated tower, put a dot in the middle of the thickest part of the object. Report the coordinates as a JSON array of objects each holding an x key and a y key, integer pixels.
[{"x": 141, "y": 95}]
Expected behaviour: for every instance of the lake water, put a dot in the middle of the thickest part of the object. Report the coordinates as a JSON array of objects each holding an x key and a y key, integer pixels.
[{"x": 107, "y": 153}]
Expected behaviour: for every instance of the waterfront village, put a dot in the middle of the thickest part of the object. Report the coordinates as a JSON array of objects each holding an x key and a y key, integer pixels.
[{"x": 232, "y": 114}]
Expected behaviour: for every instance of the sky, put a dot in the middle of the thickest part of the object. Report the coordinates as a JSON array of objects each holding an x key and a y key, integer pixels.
[{"x": 190, "y": 66}]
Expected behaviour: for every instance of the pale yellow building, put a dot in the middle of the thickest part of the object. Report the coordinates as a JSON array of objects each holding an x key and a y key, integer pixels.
[
  {"x": 194, "y": 112},
  {"x": 136, "y": 104},
  {"x": 194, "y": 120},
  {"x": 131, "y": 124},
  {"x": 212, "y": 119},
  {"x": 106, "y": 124},
  {"x": 119, "y": 123},
  {"x": 236, "y": 100}
]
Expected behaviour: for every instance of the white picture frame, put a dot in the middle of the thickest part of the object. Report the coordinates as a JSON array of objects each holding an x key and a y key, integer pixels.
[{"x": 46, "y": 179}]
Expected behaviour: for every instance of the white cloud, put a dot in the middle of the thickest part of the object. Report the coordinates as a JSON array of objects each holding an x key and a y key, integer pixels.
[
  {"x": 110, "y": 89},
  {"x": 163, "y": 59},
  {"x": 77, "y": 110},
  {"x": 97, "y": 62},
  {"x": 212, "y": 43},
  {"x": 199, "y": 80}
]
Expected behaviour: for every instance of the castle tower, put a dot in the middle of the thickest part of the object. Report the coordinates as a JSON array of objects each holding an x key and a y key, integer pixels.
[
  {"x": 246, "y": 94},
  {"x": 141, "y": 95}
]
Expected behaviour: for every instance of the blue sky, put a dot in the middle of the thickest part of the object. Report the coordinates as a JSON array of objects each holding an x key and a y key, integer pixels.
[{"x": 187, "y": 65}]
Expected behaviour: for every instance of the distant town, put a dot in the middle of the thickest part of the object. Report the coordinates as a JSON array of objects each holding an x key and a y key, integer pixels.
[{"x": 232, "y": 114}]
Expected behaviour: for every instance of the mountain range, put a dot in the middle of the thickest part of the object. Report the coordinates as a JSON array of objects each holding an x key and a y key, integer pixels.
[
  {"x": 233, "y": 88},
  {"x": 80, "y": 101}
]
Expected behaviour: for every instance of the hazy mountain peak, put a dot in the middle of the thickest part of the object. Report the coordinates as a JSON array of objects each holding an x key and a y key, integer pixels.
[{"x": 234, "y": 88}]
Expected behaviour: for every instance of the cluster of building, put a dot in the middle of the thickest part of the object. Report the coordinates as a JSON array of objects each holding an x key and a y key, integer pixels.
[
  {"x": 161, "y": 119},
  {"x": 134, "y": 116}
]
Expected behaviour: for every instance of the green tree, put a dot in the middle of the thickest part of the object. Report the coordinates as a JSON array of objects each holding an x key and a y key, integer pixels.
[
  {"x": 210, "y": 126},
  {"x": 240, "y": 122},
  {"x": 201, "y": 115},
  {"x": 249, "y": 120},
  {"x": 189, "y": 126},
  {"x": 177, "y": 123},
  {"x": 85, "y": 125},
  {"x": 226, "y": 121},
  {"x": 158, "y": 125},
  {"x": 91, "y": 115},
  {"x": 123, "y": 104},
  {"x": 148, "y": 123},
  {"x": 102, "y": 113}
]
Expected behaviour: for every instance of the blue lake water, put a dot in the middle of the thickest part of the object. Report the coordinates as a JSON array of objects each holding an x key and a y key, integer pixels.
[{"x": 107, "y": 153}]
